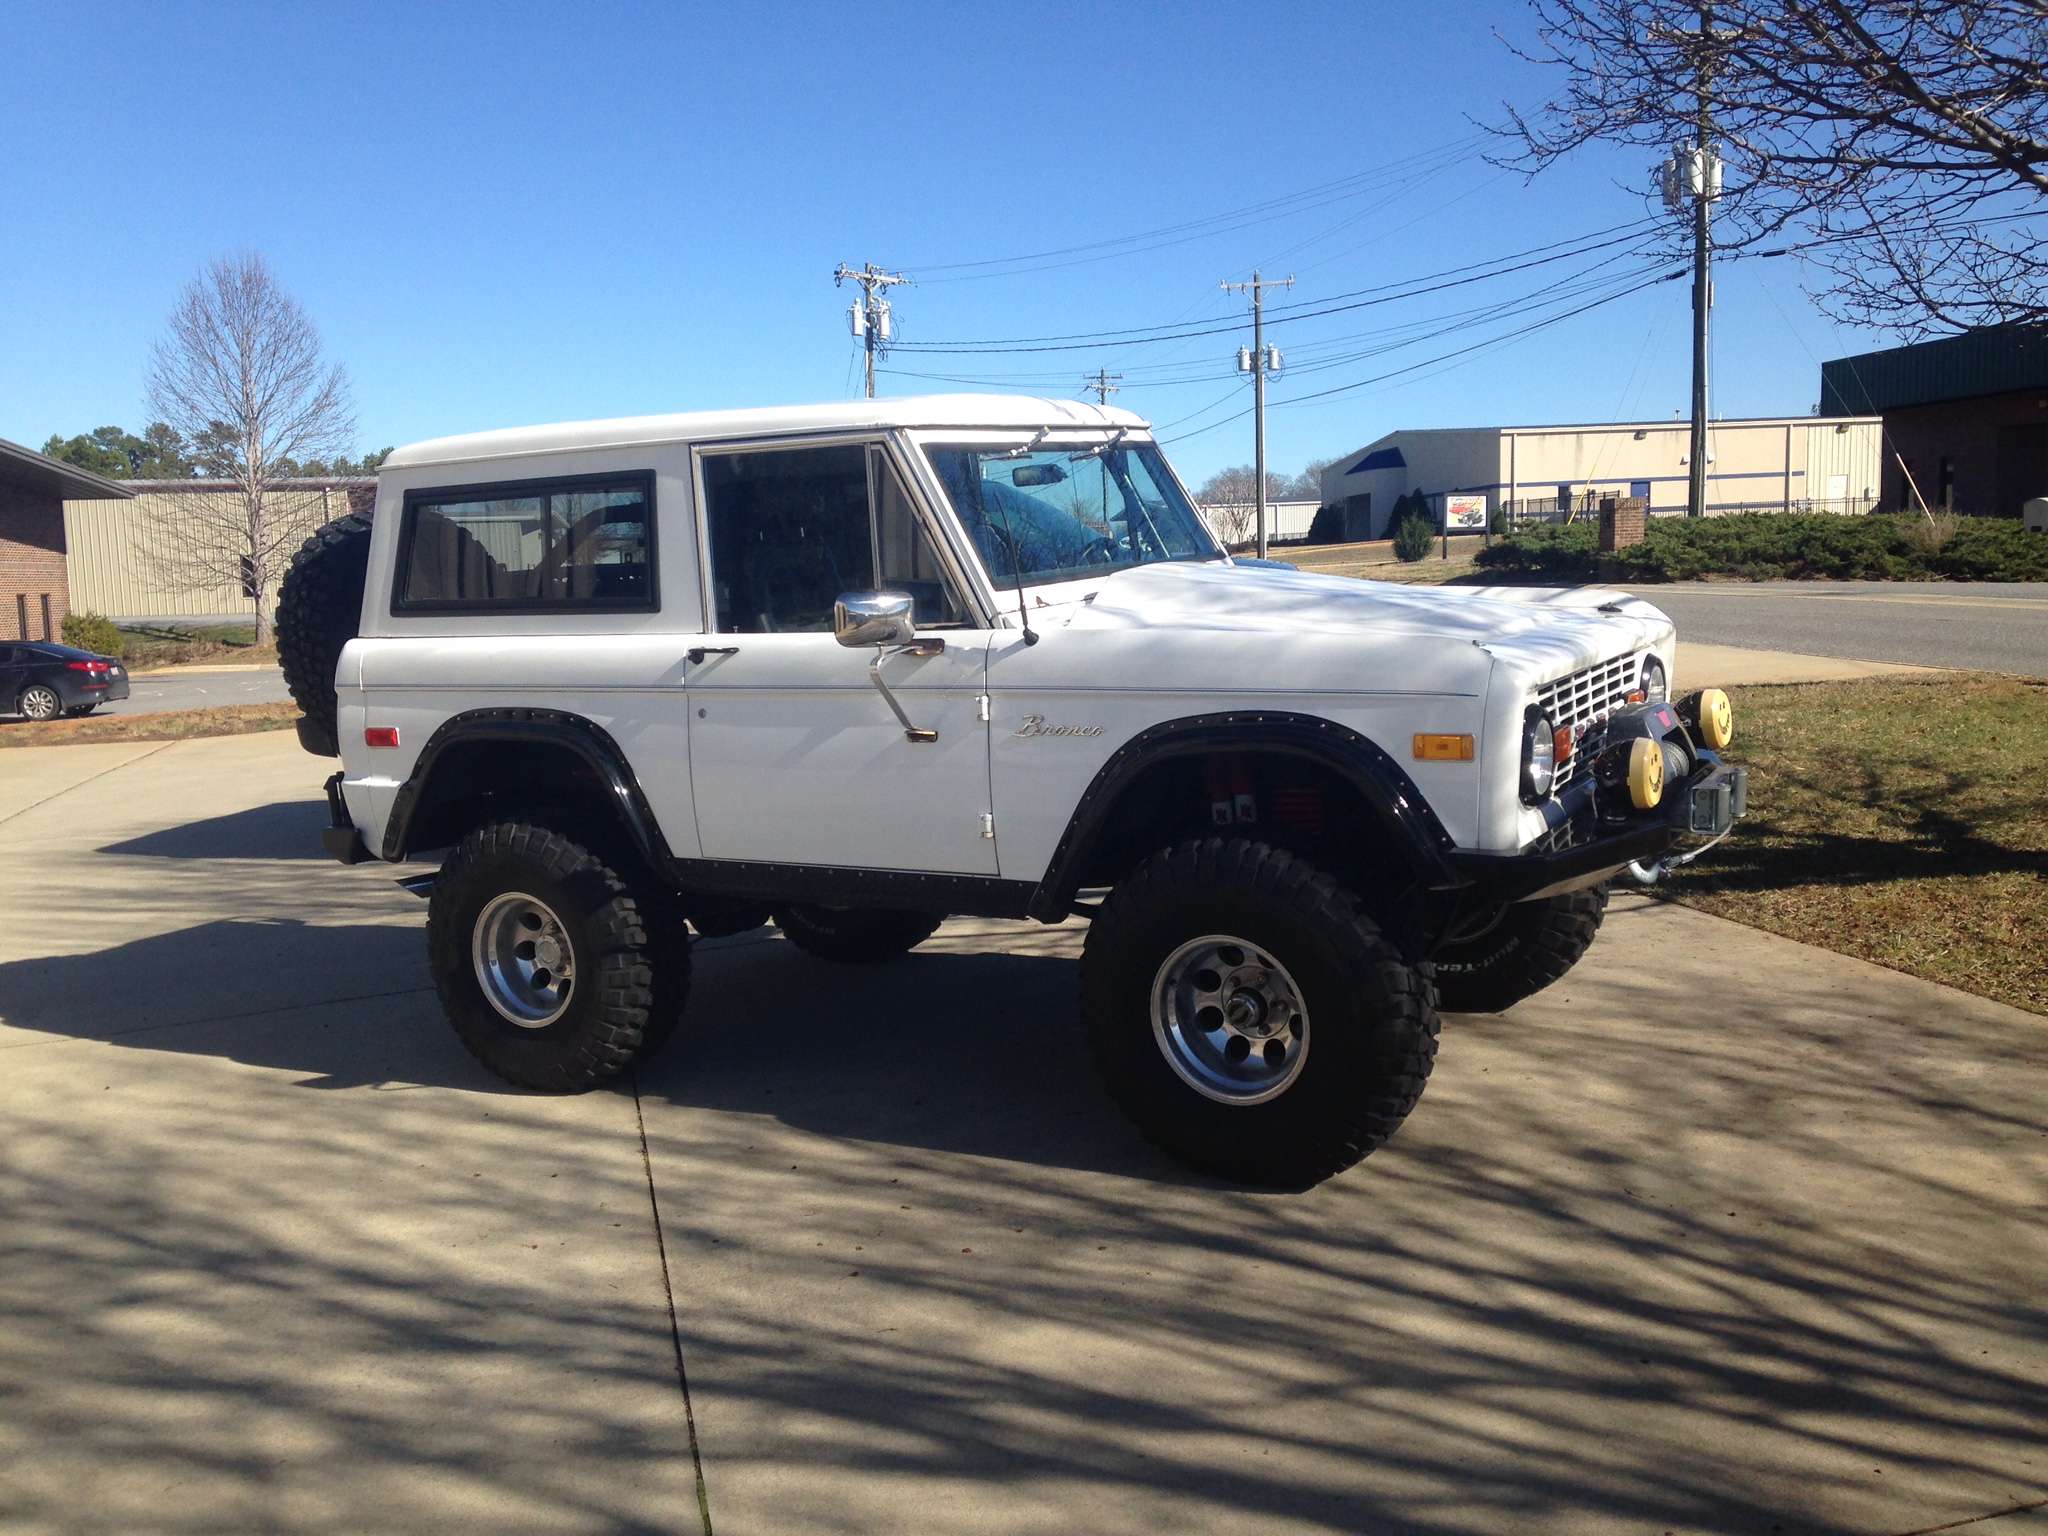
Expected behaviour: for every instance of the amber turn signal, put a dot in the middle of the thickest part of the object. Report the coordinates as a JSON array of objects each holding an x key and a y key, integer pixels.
[{"x": 1443, "y": 749}]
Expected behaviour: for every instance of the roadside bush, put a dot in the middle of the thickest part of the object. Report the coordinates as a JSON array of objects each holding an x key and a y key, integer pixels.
[
  {"x": 1414, "y": 536},
  {"x": 1763, "y": 546},
  {"x": 92, "y": 632}
]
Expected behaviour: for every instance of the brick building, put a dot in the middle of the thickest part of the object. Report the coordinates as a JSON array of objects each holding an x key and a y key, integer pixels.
[
  {"x": 35, "y": 589},
  {"x": 1967, "y": 415}
]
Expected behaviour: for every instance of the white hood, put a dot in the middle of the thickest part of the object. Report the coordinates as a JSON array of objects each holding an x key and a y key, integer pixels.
[{"x": 1553, "y": 630}]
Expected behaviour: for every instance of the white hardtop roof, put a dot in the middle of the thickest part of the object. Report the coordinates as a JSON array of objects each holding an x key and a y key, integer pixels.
[{"x": 1008, "y": 412}]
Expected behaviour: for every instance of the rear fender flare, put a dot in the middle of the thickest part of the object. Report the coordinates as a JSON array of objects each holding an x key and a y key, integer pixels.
[{"x": 586, "y": 739}]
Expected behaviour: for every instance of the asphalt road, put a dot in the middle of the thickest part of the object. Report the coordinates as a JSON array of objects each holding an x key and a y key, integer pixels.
[
  {"x": 1981, "y": 626},
  {"x": 151, "y": 692}
]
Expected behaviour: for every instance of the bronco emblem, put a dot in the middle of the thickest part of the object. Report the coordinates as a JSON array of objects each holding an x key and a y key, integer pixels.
[{"x": 1034, "y": 725}]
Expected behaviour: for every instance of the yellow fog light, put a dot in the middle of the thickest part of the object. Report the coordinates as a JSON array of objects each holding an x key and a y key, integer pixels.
[
  {"x": 1645, "y": 773},
  {"x": 1717, "y": 718}
]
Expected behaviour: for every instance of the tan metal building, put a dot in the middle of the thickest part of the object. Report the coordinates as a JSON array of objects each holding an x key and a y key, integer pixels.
[
  {"x": 1773, "y": 463},
  {"x": 133, "y": 561}
]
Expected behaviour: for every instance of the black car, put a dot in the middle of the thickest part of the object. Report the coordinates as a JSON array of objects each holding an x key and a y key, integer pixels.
[{"x": 42, "y": 680}]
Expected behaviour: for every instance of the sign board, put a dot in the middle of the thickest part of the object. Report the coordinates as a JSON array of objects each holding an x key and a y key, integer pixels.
[{"x": 1464, "y": 512}]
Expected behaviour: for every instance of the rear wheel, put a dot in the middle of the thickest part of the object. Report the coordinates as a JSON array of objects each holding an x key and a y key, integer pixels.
[
  {"x": 39, "y": 701},
  {"x": 1248, "y": 1019},
  {"x": 1533, "y": 944},
  {"x": 547, "y": 965},
  {"x": 855, "y": 935}
]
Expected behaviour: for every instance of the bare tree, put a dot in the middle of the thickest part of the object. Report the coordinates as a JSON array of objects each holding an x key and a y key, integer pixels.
[
  {"x": 1903, "y": 143},
  {"x": 241, "y": 377},
  {"x": 1230, "y": 497}
]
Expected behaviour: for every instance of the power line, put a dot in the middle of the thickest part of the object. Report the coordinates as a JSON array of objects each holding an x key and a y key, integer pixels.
[
  {"x": 1099, "y": 381},
  {"x": 1415, "y": 168},
  {"x": 1364, "y": 298}
]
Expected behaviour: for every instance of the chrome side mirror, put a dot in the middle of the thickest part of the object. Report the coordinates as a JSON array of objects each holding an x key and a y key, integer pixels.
[{"x": 875, "y": 618}]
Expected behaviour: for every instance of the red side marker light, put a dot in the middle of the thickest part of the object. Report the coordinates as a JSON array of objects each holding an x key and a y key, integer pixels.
[{"x": 381, "y": 736}]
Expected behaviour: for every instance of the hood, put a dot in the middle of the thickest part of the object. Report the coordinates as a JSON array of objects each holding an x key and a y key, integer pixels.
[{"x": 1551, "y": 629}]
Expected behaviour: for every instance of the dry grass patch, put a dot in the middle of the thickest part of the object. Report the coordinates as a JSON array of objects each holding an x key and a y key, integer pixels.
[
  {"x": 1902, "y": 821},
  {"x": 168, "y": 725}
]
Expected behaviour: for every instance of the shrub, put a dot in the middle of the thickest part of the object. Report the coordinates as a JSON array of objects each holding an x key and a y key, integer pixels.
[
  {"x": 1328, "y": 527},
  {"x": 92, "y": 632},
  {"x": 1765, "y": 546},
  {"x": 1414, "y": 536}
]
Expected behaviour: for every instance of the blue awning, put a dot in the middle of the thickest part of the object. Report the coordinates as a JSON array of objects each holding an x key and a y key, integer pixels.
[{"x": 1384, "y": 458}]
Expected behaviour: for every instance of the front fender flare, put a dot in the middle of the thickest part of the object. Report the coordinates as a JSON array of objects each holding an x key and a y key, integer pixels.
[{"x": 1410, "y": 823}]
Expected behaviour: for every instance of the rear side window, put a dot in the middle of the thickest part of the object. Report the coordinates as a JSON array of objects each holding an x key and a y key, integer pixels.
[{"x": 538, "y": 546}]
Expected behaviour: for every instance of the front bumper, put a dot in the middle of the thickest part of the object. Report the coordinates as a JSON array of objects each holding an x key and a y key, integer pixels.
[{"x": 1579, "y": 853}]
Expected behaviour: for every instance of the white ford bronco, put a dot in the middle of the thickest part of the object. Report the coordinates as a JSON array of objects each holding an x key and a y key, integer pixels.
[{"x": 852, "y": 668}]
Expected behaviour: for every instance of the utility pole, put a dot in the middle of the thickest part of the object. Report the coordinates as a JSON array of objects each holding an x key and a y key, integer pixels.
[
  {"x": 1694, "y": 171},
  {"x": 1259, "y": 360},
  {"x": 1099, "y": 381},
  {"x": 869, "y": 317}
]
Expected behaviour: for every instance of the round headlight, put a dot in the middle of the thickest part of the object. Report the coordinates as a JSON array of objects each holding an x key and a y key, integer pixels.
[
  {"x": 1539, "y": 757},
  {"x": 1655, "y": 686}
]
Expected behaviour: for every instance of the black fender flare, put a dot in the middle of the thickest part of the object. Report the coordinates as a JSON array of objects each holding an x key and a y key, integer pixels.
[
  {"x": 1410, "y": 823},
  {"x": 585, "y": 738}
]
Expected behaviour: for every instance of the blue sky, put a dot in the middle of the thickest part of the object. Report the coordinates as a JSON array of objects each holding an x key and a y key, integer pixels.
[{"x": 516, "y": 213}]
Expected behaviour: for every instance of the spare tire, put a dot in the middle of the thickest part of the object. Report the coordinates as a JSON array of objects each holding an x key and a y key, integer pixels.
[{"x": 318, "y": 612}]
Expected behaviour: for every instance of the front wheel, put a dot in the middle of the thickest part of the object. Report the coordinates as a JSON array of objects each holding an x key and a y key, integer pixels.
[
  {"x": 1248, "y": 1019},
  {"x": 855, "y": 935},
  {"x": 39, "y": 701},
  {"x": 553, "y": 973},
  {"x": 1533, "y": 944}
]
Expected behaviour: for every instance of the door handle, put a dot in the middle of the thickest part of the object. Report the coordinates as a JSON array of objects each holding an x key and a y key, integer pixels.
[{"x": 697, "y": 653}]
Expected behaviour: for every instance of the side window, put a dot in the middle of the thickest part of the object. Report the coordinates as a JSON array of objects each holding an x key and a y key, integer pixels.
[
  {"x": 904, "y": 551},
  {"x": 789, "y": 533},
  {"x": 533, "y": 547}
]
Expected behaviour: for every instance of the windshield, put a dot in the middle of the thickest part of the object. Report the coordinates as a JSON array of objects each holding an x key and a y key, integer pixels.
[{"x": 1060, "y": 514}]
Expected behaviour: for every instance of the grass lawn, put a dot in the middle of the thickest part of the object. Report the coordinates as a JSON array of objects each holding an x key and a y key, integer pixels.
[
  {"x": 1900, "y": 821},
  {"x": 178, "y": 645},
  {"x": 163, "y": 725}
]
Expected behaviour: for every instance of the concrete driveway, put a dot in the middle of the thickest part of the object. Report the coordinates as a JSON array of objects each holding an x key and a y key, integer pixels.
[{"x": 1722, "y": 1234}]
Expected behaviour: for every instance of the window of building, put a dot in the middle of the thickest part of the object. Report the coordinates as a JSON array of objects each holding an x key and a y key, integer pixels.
[{"x": 535, "y": 546}]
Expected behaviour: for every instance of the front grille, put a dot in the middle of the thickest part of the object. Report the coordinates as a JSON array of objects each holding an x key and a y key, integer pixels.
[{"x": 1584, "y": 697}]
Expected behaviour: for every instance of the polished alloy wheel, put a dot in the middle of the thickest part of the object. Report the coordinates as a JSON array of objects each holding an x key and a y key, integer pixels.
[
  {"x": 524, "y": 961},
  {"x": 1229, "y": 1020},
  {"x": 40, "y": 702}
]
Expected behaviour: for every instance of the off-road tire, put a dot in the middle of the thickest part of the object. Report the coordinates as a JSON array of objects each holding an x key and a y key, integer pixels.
[
  {"x": 1372, "y": 1027},
  {"x": 39, "y": 701},
  {"x": 855, "y": 935},
  {"x": 318, "y": 612},
  {"x": 1533, "y": 944},
  {"x": 631, "y": 977}
]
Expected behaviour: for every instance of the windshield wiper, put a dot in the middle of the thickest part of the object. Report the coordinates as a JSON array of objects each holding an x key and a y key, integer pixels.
[{"x": 1100, "y": 448}]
